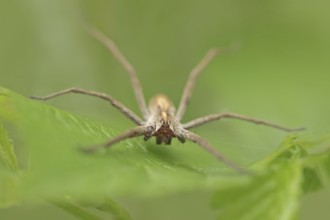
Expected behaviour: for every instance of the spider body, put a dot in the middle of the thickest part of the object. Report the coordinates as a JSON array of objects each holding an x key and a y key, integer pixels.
[
  {"x": 160, "y": 119},
  {"x": 162, "y": 123}
]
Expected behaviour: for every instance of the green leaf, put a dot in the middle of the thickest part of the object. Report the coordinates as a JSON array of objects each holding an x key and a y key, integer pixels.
[
  {"x": 301, "y": 164},
  {"x": 316, "y": 172},
  {"x": 313, "y": 152},
  {"x": 134, "y": 168},
  {"x": 273, "y": 196},
  {"x": 7, "y": 155}
]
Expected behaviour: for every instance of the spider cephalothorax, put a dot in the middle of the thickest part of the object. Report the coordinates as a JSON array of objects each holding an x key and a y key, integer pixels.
[
  {"x": 162, "y": 123},
  {"x": 160, "y": 119}
]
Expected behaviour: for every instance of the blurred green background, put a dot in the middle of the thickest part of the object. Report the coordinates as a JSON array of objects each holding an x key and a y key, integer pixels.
[{"x": 280, "y": 73}]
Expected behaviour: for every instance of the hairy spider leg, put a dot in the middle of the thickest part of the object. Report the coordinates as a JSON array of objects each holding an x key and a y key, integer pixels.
[
  {"x": 217, "y": 116},
  {"x": 114, "y": 50},
  {"x": 120, "y": 106}
]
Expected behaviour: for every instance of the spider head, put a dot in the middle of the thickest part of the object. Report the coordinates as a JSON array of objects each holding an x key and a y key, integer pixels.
[{"x": 163, "y": 134}]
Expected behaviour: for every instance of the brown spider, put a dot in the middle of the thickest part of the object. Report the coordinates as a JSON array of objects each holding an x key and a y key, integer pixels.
[{"x": 160, "y": 119}]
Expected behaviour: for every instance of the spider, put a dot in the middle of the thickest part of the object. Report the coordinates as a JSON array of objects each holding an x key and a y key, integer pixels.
[{"x": 160, "y": 119}]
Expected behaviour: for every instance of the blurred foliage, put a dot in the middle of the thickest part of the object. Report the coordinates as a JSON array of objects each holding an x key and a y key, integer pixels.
[{"x": 280, "y": 73}]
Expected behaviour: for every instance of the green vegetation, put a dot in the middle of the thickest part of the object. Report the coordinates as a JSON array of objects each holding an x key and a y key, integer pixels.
[{"x": 55, "y": 169}]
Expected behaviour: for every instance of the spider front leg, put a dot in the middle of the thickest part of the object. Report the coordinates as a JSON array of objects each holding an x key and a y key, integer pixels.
[
  {"x": 121, "y": 107},
  {"x": 217, "y": 116},
  {"x": 134, "y": 132}
]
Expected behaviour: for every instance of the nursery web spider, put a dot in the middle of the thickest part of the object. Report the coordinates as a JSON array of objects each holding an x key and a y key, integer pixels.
[{"x": 160, "y": 120}]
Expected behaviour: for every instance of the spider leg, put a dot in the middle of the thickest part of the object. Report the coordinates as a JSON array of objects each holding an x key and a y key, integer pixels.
[
  {"x": 206, "y": 146},
  {"x": 217, "y": 116},
  {"x": 111, "y": 46},
  {"x": 121, "y": 107},
  {"x": 191, "y": 81},
  {"x": 134, "y": 132}
]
